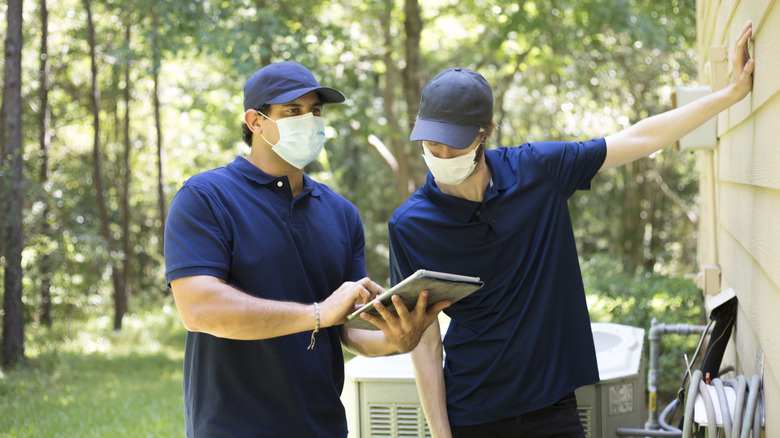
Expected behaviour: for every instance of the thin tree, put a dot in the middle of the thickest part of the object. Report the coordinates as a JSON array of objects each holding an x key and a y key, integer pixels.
[
  {"x": 412, "y": 73},
  {"x": 265, "y": 40},
  {"x": 404, "y": 182},
  {"x": 94, "y": 96},
  {"x": 11, "y": 204},
  {"x": 44, "y": 123},
  {"x": 162, "y": 202},
  {"x": 123, "y": 294}
]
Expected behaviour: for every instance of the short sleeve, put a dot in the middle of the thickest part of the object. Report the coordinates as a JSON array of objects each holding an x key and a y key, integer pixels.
[
  {"x": 399, "y": 265},
  {"x": 358, "y": 269},
  {"x": 197, "y": 241},
  {"x": 571, "y": 165}
]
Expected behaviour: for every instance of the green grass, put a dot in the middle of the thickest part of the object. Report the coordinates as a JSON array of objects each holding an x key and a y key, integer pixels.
[{"x": 82, "y": 379}]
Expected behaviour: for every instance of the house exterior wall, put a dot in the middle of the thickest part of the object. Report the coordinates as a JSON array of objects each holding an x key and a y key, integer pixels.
[{"x": 740, "y": 187}]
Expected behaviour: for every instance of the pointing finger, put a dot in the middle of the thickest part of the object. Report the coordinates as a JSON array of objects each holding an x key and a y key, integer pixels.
[{"x": 363, "y": 295}]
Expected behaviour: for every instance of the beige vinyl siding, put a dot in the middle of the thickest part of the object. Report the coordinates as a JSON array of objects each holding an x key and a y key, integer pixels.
[{"x": 746, "y": 175}]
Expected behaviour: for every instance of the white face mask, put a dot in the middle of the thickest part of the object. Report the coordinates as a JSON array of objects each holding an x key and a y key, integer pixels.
[
  {"x": 450, "y": 171},
  {"x": 301, "y": 138}
]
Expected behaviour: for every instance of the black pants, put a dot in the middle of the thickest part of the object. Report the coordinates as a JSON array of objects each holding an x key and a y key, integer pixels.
[{"x": 559, "y": 420}]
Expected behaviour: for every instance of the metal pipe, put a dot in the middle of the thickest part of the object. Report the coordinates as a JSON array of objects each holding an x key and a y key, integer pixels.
[
  {"x": 665, "y": 431},
  {"x": 657, "y": 330},
  {"x": 629, "y": 432}
]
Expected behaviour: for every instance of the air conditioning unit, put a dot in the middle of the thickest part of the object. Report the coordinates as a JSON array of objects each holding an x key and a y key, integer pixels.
[
  {"x": 381, "y": 400},
  {"x": 618, "y": 400}
]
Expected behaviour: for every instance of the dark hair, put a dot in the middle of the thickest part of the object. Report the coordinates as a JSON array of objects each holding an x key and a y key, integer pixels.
[
  {"x": 488, "y": 127},
  {"x": 246, "y": 133},
  {"x": 480, "y": 151},
  {"x": 485, "y": 130}
]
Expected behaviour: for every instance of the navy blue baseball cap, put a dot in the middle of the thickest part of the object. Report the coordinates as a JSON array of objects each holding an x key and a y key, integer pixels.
[
  {"x": 283, "y": 82},
  {"x": 453, "y": 107}
]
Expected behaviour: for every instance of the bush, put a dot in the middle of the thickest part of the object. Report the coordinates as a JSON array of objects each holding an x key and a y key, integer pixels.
[{"x": 616, "y": 297}]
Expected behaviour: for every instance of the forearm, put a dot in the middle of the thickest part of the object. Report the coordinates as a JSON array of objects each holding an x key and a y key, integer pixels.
[
  {"x": 661, "y": 130},
  {"x": 370, "y": 343},
  {"x": 209, "y": 305},
  {"x": 429, "y": 377}
]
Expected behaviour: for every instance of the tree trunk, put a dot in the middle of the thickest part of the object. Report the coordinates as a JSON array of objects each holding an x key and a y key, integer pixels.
[
  {"x": 653, "y": 241},
  {"x": 44, "y": 121},
  {"x": 11, "y": 205},
  {"x": 412, "y": 77},
  {"x": 162, "y": 201},
  {"x": 631, "y": 229},
  {"x": 123, "y": 294},
  {"x": 404, "y": 183},
  {"x": 96, "y": 161},
  {"x": 412, "y": 72},
  {"x": 262, "y": 34}
]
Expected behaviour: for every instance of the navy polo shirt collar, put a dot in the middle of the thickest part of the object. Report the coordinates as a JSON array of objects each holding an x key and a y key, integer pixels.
[
  {"x": 463, "y": 209},
  {"x": 251, "y": 172}
]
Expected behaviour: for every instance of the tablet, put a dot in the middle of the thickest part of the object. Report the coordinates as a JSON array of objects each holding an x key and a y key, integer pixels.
[{"x": 440, "y": 285}]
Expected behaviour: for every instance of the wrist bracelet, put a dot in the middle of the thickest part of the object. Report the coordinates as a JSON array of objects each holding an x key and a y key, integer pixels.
[{"x": 316, "y": 325}]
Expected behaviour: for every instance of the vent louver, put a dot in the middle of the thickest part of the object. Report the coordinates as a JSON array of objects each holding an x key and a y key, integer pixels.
[
  {"x": 586, "y": 412},
  {"x": 397, "y": 420}
]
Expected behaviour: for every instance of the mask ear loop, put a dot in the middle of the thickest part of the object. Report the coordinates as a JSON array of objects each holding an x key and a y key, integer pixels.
[
  {"x": 261, "y": 113},
  {"x": 261, "y": 134}
]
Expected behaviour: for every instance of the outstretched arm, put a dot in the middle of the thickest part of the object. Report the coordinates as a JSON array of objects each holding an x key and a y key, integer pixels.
[{"x": 656, "y": 132}]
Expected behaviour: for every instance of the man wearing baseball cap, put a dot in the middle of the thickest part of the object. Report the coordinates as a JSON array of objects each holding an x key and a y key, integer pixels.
[
  {"x": 518, "y": 348},
  {"x": 265, "y": 264}
]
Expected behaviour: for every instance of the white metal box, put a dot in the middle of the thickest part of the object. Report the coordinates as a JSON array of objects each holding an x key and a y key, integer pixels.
[
  {"x": 380, "y": 395},
  {"x": 705, "y": 136},
  {"x": 618, "y": 400}
]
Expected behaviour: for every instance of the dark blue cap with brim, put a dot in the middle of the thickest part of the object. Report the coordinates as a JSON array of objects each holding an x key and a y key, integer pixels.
[
  {"x": 454, "y": 106},
  {"x": 284, "y": 82}
]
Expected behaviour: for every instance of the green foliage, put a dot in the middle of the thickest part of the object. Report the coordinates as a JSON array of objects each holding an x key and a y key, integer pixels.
[
  {"x": 83, "y": 379},
  {"x": 632, "y": 300},
  {"x": 560, "y": 69},
  {"x": 618, "y": 297}
]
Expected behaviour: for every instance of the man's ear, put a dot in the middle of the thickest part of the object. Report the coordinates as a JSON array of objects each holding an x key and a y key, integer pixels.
[{"x": 252, "y": 119}]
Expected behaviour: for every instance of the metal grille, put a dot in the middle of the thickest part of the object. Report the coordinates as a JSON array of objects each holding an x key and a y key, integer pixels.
[
  {"x": 397, "y": 420},
  {"x": 586, "y": 414}
]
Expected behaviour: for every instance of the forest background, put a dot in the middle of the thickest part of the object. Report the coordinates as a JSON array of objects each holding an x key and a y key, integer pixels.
[{"x": 109, "y": 106}]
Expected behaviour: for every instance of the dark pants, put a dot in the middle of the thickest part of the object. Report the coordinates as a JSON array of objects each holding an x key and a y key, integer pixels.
[{"x": 559, "y": 420}]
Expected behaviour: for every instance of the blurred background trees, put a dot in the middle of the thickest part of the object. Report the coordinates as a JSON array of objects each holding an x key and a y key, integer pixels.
[{"x": 121, "y": 101}]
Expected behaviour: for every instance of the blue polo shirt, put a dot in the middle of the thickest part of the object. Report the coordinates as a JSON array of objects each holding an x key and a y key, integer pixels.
[
  {"x": 243, "y": 226},
  {"x": 523, "y": 341}
]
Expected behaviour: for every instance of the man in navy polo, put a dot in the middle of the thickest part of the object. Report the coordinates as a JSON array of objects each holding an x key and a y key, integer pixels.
[
  {"x": 264, "y": 264},
  {"x": 519, "y": 347}
]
